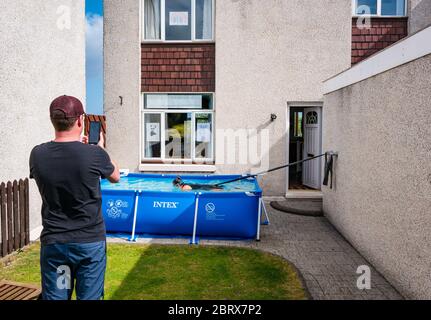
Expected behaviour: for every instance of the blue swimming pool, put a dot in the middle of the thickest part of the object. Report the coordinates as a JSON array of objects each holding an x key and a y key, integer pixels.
[{"x": 150, "y": 205}]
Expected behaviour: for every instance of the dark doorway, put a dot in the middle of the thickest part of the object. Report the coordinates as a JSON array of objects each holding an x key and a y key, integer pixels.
[{"x": 296, "y": 149}]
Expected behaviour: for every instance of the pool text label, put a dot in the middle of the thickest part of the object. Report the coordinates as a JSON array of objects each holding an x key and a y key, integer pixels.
[{"x": 165, "y": 205}]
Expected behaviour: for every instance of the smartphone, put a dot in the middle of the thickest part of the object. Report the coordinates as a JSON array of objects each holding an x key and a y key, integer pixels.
[{"x": 94, "y": 134}]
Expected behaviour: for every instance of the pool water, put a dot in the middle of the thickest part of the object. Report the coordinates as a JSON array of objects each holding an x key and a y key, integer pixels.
[{"x": 164, "y": 184}]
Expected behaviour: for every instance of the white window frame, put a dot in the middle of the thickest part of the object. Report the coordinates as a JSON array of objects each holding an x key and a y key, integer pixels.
[
  {"x": 163, "y": 25},
  {"x": 379, "y": 10},
  {"x": 162, "y": 160}
]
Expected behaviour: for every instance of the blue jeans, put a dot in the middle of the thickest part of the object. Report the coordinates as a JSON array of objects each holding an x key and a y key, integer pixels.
[{"x": 73, "y": 265}]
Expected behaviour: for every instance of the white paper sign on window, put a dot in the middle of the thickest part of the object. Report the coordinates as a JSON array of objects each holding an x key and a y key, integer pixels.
[
  {"x": 177, "y": 18},
  {"x": 153, "y": 132},
  {"x": 203, "y": 132}
]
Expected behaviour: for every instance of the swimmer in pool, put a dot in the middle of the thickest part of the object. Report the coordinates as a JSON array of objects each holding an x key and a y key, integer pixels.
[{"x": 179, "y": 183}]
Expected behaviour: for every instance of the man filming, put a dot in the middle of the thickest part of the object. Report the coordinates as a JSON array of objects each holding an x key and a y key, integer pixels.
[{"x": 67, "y": 172}]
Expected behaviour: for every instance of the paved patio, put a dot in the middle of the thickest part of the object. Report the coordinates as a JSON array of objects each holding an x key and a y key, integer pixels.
[{"x": 327, "y": 262}]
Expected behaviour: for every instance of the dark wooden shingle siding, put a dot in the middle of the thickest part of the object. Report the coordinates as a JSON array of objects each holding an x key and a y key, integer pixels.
[
  {"x": 178, "y": 68},
  {"x": 382, "y": 33}
]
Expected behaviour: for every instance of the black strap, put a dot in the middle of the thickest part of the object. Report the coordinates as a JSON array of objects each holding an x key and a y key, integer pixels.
[
  {"x": 271, "y": 170},
  {"x": 329, "y": 168}
]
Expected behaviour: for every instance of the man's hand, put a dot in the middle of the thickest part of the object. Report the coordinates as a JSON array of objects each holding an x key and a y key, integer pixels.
[
  {"x": 101, "y": 140},
  {"x": 101, "y": 143}
]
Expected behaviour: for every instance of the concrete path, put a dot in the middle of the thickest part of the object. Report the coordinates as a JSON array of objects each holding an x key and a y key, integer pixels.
[{"x": 326, "y": 261}]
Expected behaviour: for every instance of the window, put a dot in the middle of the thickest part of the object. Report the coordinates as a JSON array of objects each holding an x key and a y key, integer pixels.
[
  {"x": 312, "y": 118},
  {"x": 393, "y": 8},
  {"x": 178, "y": 128},
  {"x": 178, "y": 15},
  {"x": 363, "y": 5},
  {"x": 204, "y": 19},
  {"x": 384, "y": 8},
  {"x": 297, "y": 124},
  {"x": 178, "y": 20}
]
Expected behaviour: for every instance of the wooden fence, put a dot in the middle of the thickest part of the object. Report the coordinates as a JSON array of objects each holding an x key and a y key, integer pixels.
[{"x": 14, "y": 216}]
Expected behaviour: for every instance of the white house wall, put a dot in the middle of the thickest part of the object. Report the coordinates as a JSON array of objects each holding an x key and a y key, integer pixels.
[
  {"x": 381, "y": 201},
  {"x": 38, "y": 62},
  {"x": 419, "y": 15}
]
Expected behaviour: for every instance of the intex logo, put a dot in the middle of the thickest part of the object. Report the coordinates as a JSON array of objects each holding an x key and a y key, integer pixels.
[{"x": 165, "y": 205}]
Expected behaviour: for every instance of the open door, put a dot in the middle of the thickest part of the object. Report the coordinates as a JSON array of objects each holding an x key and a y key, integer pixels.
[{"x": 311, "y": 173}]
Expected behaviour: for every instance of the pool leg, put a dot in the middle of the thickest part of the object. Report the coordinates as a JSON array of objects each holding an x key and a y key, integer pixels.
[
  {"x": 259, "y": 214},
  {"x": 196, "y": 220},
  {"x": 266, "y": 222},
  {"x": 135, "y": 215}
]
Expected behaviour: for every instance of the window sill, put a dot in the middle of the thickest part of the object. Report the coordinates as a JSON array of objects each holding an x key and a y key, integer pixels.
[
  {"x": 179, "y": 42},
  {"x": 373, "y": 16},
  {"x": 177, "y": 168}
]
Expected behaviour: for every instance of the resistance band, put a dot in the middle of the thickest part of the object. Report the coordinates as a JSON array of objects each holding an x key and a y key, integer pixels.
[{"x": 331, "y": 154}]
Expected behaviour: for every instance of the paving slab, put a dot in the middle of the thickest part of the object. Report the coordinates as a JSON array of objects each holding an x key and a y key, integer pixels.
[{"x": 325, "y": 260}]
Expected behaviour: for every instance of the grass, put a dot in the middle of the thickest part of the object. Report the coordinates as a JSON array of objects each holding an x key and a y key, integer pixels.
[{"x": 147, "y": 272}]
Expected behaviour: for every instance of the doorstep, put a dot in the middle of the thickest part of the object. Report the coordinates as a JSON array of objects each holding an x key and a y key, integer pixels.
[{"x": 304, "y": 194}]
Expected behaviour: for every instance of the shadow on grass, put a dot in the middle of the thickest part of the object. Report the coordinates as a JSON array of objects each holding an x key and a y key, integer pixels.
[
  {"x": 142, "y": 272},
  {"x": 198, "y": 273}
]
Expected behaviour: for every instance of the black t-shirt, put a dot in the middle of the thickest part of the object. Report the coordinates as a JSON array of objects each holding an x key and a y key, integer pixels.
[{"x": 68, "y": 176}]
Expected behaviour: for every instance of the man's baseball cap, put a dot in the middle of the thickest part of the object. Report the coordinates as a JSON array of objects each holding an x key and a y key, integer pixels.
[{"x": 70, "y": 107}]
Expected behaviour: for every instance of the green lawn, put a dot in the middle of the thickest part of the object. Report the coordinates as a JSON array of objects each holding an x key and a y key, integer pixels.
[{"x": 179, "y": 272}]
